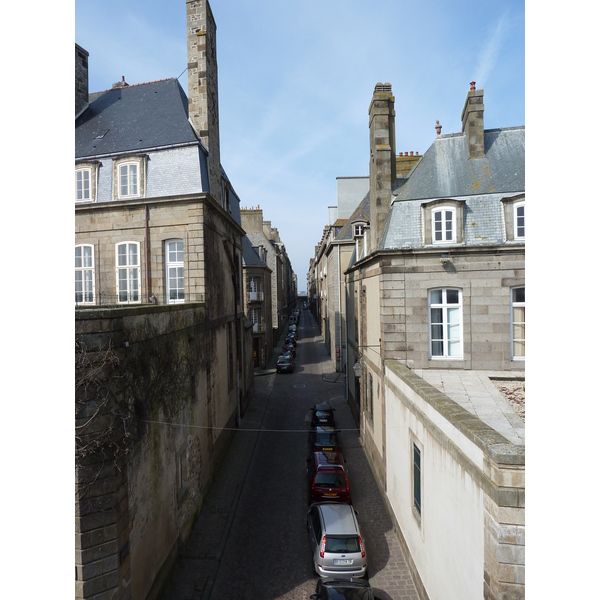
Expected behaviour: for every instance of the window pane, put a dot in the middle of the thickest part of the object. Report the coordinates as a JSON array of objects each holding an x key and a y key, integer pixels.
[
  {"x": 437, "y": 349},
  {"x": 122, "y": 254},
  {"x": 436, "y": 315},
  {"x": 124, "y": 184},
  {"x": 436, "y": 297},
  {"x": 133, "y": 254},
  {"x": 448, "y": 225},
  {"x": 453, "y": 316},
  {"x": 133, "y": 180},
  {"x": 519, "y": 294},
  {"x": 78, "y": 259},
  {"x": 436, "y": 332},
  {"x": 519, "y": 348},
  {"x": 452, "y": 296},
  {"x": 454, "y": 348}
]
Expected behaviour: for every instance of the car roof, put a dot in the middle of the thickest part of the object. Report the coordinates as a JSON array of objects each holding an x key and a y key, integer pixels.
[
  {"x": 326, "y": 458},
  {"x": 338, "y": 518},
  {"x": 323, "y": 406}
]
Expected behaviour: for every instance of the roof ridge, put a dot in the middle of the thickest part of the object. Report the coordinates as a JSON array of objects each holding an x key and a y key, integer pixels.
[{"x": 112, "y": 89}]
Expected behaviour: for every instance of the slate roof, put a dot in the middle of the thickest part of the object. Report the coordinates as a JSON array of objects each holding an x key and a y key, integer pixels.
[
  {"x": 447, "y": 171},
  {"x": 250, "y": 257},
  {"x": 133, "y": 119}
]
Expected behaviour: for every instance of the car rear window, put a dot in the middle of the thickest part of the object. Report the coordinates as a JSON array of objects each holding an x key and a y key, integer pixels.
[
  {"x": 342, "y": 544},
  {"x": 325, "y": 438},
  {"x": 336, "y": 480}
]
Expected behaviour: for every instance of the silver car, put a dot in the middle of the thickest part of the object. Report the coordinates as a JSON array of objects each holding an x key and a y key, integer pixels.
[{"x": 336, "y": 543}]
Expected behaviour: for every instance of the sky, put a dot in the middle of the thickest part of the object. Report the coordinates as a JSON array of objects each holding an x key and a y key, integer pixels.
[{"x": 296, "y": 80}]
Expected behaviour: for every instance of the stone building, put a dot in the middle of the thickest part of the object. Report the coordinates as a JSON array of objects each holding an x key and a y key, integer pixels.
[
  {"x": 163, "y": 351},
  {"x": 283, "y": 292},
  {"x": 435, "y": 313},
  {"x": 258, "y": 300}
]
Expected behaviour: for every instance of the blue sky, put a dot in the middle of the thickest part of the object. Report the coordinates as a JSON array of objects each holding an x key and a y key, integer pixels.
[{"x": 296, "y": 80}]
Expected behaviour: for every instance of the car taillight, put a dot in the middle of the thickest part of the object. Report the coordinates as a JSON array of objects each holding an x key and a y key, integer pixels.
[
  {"x": 347, "y": 483},
  {"x": 362, "y": 548},
  {"x": 322, "y": 552}
]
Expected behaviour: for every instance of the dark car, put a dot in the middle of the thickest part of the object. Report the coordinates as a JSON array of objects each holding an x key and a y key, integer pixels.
[
  {"x": 289, "y": 348},
  {"x": 343, "y": 589},
  {"x": 322, "y": 414},
  {"x": 285, "y": 363},
  {"x": 291, "y": 339},
  {"x": 324, "y": 439},
  {"x": 327, "y": 478}
]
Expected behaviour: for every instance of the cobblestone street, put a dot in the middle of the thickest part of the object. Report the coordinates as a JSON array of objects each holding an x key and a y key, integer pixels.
[{"x": 250, "y": 540}]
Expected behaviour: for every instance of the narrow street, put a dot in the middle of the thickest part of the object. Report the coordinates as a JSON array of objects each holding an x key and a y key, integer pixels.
[{"x": 250, "y": 540}]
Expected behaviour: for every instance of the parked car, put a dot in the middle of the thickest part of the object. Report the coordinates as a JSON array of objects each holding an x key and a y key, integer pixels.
[
  {"x": 343, "y": 589},
  {"x": 324, "y": 438},
  {"x": 327, "y": 478},
  {"x": 289, "y": 348},
  {"x": 291, "y": 339},
  {"x": 336, "y": 543},
  {"x": 285, "y": 363},
  {"x": 322, "y": 414}
]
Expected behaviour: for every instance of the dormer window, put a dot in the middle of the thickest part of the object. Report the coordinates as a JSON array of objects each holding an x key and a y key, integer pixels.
[
  {"x": 443, "y": 225},
  {"x": 129, "y": 178},
  {"x": 85, "y": 182},
  {"x": 359, "y": 230},
  {"x": 443, "y": 222},
  {"x": 514, "y": 218},
  {"x": 520, "y": 221}
]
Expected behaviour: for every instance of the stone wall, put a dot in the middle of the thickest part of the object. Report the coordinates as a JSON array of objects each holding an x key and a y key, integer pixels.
[{"x": 149, "y": 432}]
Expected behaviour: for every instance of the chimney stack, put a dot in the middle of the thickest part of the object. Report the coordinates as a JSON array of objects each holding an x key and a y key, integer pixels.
[
  {"x": 203, "y": 90},
  {"x": 81, "y": 79},
  {"x": 472, "y": 122},
  {"x": 382, "y": 166}
]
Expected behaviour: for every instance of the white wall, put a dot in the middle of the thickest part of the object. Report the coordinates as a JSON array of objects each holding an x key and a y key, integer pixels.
[{"x": 448, "y": 544}]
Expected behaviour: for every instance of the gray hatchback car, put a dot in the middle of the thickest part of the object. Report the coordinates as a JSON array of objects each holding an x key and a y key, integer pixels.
[{"x": 336, "y": 543}]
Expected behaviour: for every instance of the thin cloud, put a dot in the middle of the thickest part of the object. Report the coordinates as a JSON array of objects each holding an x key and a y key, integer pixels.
[{"x": 491, "y": 50}]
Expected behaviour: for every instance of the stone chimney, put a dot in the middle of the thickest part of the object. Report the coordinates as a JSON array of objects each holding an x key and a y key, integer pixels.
[
  {"x": 81, "y": 78},
  {"x": 472, "y": 122},
  {"x": 203, "y": 92},
  {"x": 382, "y": 165}
]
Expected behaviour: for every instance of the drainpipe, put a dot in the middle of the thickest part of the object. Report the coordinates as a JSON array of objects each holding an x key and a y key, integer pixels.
[{"x": 147, "y": 217}]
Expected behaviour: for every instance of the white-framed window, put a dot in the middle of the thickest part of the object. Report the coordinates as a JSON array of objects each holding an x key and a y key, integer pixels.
[
  {"x": 517, "y": 318},
  {"x": 359, "y": 230},
  {"x": 84, "y": 274},
  {"x": 128, "y": 272},
  {"x": 83, "y": 184},
  {"x": 443, "y": 225},
  {"x": 255, "y": 315},
  {"x": 174, "y": 271},
  {"x": 445, "y": 323},
  {"x": 519, "y": 221},
  {"x": 129, "y": 180}
]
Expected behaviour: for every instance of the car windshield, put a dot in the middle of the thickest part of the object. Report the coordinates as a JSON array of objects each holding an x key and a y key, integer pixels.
[
  {"x": 348, "y": 593},
  {"x": 323, "y": 414},
  {"x": 326, "y": 438},
  {"x": 332, "y": 480},
  {"x": 342, "y": 544}
]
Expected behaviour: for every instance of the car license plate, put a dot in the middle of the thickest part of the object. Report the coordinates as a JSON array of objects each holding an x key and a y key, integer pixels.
[
  {"x": 326, "y": 449},
  {"x": 342, "y": 561},
  {"x": 330, "y": 494}
]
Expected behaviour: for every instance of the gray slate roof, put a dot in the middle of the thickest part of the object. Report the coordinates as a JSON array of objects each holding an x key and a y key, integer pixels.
[
  {"x": 447, "y": 171},
  {"x": 133, "y": 119},
  {"x": 250, "y": 257}
]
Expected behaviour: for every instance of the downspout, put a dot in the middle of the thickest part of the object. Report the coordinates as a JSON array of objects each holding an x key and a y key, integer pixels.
[
  {"x": 347, "y": 386},
  {"x": 339, "y": 328},
  {"x": 147, "y": 235}
]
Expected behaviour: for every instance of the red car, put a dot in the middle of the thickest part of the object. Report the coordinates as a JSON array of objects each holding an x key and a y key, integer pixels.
[{"x": 327, "y": 479}]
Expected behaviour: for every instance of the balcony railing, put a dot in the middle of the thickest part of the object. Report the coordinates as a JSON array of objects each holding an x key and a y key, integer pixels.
[{"x": 255, "y": 296}]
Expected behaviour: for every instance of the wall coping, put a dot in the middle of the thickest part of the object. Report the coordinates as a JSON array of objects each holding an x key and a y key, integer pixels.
[{"x": 494, "y": 445}]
